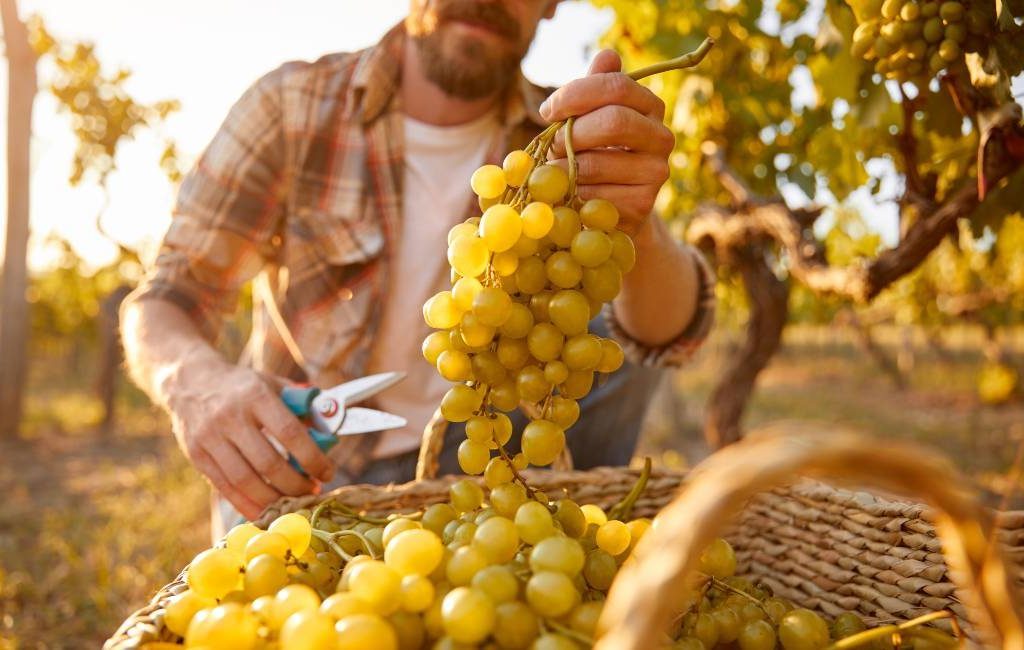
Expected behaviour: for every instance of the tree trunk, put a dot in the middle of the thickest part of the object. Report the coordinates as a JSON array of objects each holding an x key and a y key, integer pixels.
[
  {"x": 769, "y": 309},
  {"x": 870, "y": 347},
  {"x": 110, "y": 355},
  {"x": 21, "y": 92}
]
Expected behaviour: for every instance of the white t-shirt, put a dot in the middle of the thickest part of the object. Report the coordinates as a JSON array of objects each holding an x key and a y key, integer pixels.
[{"x": 435, "y": 196}]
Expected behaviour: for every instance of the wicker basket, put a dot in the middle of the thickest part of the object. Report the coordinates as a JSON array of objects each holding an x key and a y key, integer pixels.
[{"x": 822, "y": 547}]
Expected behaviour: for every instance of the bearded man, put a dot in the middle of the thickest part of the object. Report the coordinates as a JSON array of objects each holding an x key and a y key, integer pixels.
[{"x": 334, "y": 184}]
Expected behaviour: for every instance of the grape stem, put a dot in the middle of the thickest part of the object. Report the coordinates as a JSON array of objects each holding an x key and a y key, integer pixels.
[
  {"x": 687, "y": 60},
  {"x": 719, "y": 584},
  {"x": 328, "y": 539},
  {"x": 624, "y": 508},
  {"x": 569, "y": 632},
  {"x": 515, "y": 473}
]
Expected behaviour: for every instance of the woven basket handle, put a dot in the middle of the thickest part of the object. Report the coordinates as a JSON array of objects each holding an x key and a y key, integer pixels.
[
  {"x": 433, "y": 443},
  {"x": 645, "y": 594}
]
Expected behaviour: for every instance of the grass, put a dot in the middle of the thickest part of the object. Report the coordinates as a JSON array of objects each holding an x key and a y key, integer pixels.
[{"x": 91, "y": 524}]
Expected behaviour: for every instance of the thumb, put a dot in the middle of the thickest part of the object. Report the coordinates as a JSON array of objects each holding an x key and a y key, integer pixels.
[{"x": 605, "y": 61}]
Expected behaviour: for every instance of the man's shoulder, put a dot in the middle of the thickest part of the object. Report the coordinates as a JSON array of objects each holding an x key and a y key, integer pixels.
[{"x": 323, "y": 76}]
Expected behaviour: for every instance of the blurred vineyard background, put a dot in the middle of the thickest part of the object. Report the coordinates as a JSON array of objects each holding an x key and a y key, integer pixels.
[{"x": 98, "y": 507}]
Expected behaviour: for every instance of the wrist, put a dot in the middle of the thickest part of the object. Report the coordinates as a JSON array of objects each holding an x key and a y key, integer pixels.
[{"x": 193, "y": 368}]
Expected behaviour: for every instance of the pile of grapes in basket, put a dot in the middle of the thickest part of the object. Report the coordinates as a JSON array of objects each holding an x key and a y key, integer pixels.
[{"x": 501, "y": 571}]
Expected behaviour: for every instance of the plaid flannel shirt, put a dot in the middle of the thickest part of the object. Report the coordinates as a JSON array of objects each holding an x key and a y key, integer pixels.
[{"x": 303, "y": 183}]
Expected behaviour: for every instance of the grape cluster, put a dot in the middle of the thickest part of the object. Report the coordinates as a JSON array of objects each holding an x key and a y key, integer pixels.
[
  {"x": 527, "y": 276},
  {"x": 911, "y": 39},
  {"x": 506, "y": 572}
]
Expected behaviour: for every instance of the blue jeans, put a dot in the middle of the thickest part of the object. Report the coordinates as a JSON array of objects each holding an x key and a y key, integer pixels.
[{"x": 606, "y": 433}]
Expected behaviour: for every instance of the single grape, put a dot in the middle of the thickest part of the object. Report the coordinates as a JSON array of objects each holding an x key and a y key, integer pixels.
[
  {"x": 566, "y": 224},
  {"x": 497, "y": 539},
  {"x": 464, "y": 290},
  {"x": 441, "y": 312},
  {"x": 844, "y": 625},
  {"x": 591, "y": 248},
  {"x": 728, "y": 624},
  {"x": 505, "y": 263},
  {"x": 515, "y": 625},
  {"x": 623, "y": 251},
  {"x": 462, "y": 229},
  {"x": 215, "y": 572},
  {"x": 543, "y": 440},
  {"x": 563, "y": 271},
  {"x": 564, "y": 411},
  {"x": 487, "y": 368},
  {"x": 459, "y": 403},
  {"x": 519, "y": 461},
  {"x": 361, "y": 631},
  {"x": 538, "y": 218},
  {"x": 409, "y": 629},
  {"x": 437, "y": 516},
  {"x": 500, "y": 227},
  {"x": 264, "y": 575},
  {"x": 548, "y": 183},
  {"x": 599, "y": 569},
  {"x": 414, "y": 552},
  {"x": 569, "y": 310},
  {"x": 468, "y": 255},
  {"x": 545, "y": 341},
  {"x": 539, "y": 306},
  {"x": 513, "y": 353},
  {"x": 613, "y": 537},
  {"x": 612, "y": 356},
  {"x": 594, "y": 515},
  {"x": 599, "y": 214},
  {"x": 505, "y": 396},
  {"x": 718, "y": 559},
  {"x": 343, "y": 604},
  {"x": 465, "y": 495},
  {"x": 802, "y": 629},
  {"x": 531, "y": 275},
  {"x": 603, "y": 282},
  {"x": 577, "y": 385},
  {"x": 229, "y": 625},
  {"x": 571, "y": 517},
  {"x": 560, "y": 554},
  {"x": 480, "y": 428},
  {"x": 181, "y": 608},
  {"x": 582, "y": 352},
  {"x": 465, "y": 563},
  {"x": 555, "y": 372},
  {"x": 551, "y": 594},
  {"x": 417, "y": 592},
  {"x": 455, "y": 366},
  {"x": 467, "y": 614},
  {"x": 492, "y": 306},
  {"x": 507, "y": 498},
  {"x": 473, "y": 456},
  {"x": 502, "y": 428},
  {"x": 532, "y": 385},
  {"x": 239, "y": 536},
  {"x": 497, "y": 472},
  {"x": 534, "y": 522},
  {"x": 488, "y": 181},
  {"x": 475, "y": 333},
  {"x": 518, "y": 323},
  {"x": 290, "y": 599},
  {"x": 526, "y": 247},
  {"x": 517, "y": 166},
  {"x": 307, "y": 630},
  {"x": 433, "y": 346}
]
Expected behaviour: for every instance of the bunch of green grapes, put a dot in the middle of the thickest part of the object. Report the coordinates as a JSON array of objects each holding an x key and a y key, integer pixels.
[
  {"x": 506, "y": 572},
  {"x": 915, "y": 40},
  {"x": 528, "y": 275}
]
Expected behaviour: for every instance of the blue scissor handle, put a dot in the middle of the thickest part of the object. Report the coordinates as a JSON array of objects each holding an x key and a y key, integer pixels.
[{"x": 299, "y": 399}]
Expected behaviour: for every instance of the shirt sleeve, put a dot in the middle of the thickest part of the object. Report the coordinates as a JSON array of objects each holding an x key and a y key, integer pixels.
[
  {"x": 227, "y": 212},
  {"x": 678, "y": 351}
]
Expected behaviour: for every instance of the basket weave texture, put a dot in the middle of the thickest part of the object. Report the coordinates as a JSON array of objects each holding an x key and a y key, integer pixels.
[{"x": 821, "y": 547}]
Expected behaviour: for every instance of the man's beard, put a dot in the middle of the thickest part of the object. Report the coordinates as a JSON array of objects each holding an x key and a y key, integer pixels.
[{"x": 474, "y": 71}]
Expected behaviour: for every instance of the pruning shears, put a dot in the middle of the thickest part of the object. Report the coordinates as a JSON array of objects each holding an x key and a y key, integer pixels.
[{"x": 328, "y": 413}]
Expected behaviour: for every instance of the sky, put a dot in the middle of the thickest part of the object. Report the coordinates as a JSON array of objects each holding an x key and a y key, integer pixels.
[{"x": 205, "y": 53}]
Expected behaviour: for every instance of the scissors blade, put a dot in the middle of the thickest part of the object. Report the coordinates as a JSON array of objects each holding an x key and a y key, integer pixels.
[
  {"x": 363, "y": 420},
  {"x": 329, "y": 406}
]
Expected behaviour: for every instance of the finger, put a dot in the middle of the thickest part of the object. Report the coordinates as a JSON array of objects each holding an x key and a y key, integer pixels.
[
  {"x": 269, "y": 464},
  {"x": 603, "y": 89},
  {"x": 243, "y": 504},
  {"x": 634, "y": 202},
  {"x": 239, "y": 473},
  {"x": 616, "y": 126},
  {"x": 617, "y": 167},
  {"x": 286, "y": 428},
  {"x": 605, "y": 61}
]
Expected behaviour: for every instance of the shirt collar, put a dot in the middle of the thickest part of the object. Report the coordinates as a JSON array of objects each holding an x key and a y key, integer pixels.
[{"x": 378, "y": 72}]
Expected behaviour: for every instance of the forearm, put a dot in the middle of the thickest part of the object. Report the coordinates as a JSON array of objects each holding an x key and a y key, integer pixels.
[
  {"x": 163, "y": 346},
  {"x": 659, "y": 296}
]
